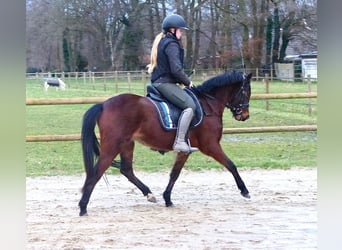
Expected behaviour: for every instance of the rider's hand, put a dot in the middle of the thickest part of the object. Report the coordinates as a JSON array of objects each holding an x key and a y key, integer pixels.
[{"x": 190, "y": 85}]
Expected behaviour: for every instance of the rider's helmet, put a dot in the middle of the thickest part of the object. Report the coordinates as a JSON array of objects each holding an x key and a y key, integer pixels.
[{"x": 174, "y": 21}]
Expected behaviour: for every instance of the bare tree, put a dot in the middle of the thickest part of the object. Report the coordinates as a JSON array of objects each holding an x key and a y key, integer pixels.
[
  {"x": 118, "y": 34},
  {"x": 259, "y": 14},
  {"x": 290, "y": 26},
  {"x": 43, "y": 35}
]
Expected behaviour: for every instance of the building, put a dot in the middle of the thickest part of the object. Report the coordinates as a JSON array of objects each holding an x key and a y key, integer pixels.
[{"x": 303, "y": 65}]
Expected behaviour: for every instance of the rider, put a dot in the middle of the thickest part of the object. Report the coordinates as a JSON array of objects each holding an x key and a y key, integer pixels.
[{"x": 166, "y": 67}]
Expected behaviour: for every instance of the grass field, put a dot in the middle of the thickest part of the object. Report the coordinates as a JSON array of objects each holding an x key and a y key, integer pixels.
[{"x": 266, "y": 150}]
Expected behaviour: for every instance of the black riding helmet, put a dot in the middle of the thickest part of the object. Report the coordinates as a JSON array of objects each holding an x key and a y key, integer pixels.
[{"x": 174, "y": 21}]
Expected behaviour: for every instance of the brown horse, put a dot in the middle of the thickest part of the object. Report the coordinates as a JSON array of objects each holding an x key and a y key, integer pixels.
[{"x": 126, "y": 118}]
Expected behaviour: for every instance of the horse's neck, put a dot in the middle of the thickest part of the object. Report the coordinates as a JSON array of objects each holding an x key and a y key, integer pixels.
[
  {"x": 213, "y": 105},
  {"x": 222, "y": 95}
]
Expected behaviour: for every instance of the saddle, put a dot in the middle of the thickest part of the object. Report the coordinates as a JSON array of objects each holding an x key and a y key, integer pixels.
[{"x": 168, "y": 113}]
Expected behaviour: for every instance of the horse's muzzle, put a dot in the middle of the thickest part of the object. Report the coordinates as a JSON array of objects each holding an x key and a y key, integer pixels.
[{"x": 243, "y": 116}]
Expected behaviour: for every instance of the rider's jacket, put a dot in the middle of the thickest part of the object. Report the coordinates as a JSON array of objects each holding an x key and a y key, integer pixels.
[{"x": 170, "y": 59}]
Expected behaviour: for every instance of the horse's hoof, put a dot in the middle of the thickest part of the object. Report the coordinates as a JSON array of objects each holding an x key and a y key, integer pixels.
[
  {"x": 151, "y": 198},
  {"x": 169, "y": 204},
  {"x": 83, "y": 214},
  {"x": 246, "y": 195}
]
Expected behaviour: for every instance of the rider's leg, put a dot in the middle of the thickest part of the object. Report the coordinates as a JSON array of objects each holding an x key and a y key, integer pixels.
[
  {"x": 181, "y": 99},
  {"x": 180, "y": 144}
]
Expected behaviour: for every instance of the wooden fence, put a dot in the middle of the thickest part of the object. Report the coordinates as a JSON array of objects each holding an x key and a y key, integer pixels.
[
  {"x": 88, "y": 100},
  {"x": 75, "y": 137}
]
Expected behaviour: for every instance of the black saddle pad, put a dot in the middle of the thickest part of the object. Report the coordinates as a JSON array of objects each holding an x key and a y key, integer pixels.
[{"x": 168, "y": 113}]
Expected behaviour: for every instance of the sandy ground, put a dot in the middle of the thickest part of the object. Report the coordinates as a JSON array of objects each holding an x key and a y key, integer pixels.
[{"x": 209, "y": 212}]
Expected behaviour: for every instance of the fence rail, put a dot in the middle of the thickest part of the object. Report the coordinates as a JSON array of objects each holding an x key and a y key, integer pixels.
[
  {"x": 199, "y": 74},
  {"x": 77, "y": 137},
  {"x": 56, "y": 101}
]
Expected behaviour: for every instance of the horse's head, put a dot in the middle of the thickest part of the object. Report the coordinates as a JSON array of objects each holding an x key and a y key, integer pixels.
[
  {"x": 232, "y": 90},
  {"x": 239, "y": 103}
]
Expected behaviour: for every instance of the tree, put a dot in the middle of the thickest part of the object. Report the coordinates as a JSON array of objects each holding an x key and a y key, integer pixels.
[
  {"x": 118, "y": 34},
  {"x": 276, "y": 33},
  {"x": 131, "y": 44},
  {"x": 268, "y": 40}
]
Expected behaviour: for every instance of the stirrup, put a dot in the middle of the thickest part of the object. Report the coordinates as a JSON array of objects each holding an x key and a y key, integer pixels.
[
  {"x": 188, "y": 149},
  {"x": 192, "y": 149}
]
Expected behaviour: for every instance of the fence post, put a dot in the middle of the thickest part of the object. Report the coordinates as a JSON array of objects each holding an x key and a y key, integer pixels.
[
  {"x": 257, "y": 74},
  {"x": 92, "y": 79},
  {"x": 129, "y": 81},
  {"x": 104, "y": 81},
  {"x": 143, "y": 79},
  {"x": 89, "y": 77},
  {"x": 267, "y": 82},
  {"x": 116, "y": 81},
  {"x": 309, "y": 99},
  {"x": 143, "y": 76}
]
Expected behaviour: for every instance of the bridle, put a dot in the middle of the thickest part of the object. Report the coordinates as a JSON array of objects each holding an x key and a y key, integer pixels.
[
  {"x": 243, "y": 103},
  {"x": 241, "y": 95}
]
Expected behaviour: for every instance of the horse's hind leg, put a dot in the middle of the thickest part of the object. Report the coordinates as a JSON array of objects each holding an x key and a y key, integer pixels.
[
  {"x": 126, "y": 168},
  {"x": 100, "y": 167}
]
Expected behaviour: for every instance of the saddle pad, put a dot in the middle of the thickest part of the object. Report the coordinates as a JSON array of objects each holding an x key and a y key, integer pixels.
[{"x": 169, "y": 114}]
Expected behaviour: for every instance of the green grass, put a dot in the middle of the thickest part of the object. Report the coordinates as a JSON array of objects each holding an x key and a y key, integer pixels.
[
  {"x": 266, "y": 150},
  {"x": 275, "y": 150}
]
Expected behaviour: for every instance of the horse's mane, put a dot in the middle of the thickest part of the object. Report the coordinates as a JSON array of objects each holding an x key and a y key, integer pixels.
[{"x": 220, "y": 81}]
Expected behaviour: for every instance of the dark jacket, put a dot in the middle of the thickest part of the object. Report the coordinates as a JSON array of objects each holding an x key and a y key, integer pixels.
[{"x": 170, "y": 58}]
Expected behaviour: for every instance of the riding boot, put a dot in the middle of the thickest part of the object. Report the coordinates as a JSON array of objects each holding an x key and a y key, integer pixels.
[{"x": 180, "y": 144}]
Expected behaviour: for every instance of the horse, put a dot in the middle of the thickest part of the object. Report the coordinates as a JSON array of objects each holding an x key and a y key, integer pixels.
[
  {"x": 126, "y": 118},
  {"x": 55, "y": 82}
]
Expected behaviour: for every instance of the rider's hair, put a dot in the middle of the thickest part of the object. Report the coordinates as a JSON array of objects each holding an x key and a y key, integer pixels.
[{"x": 154, "y": 53}]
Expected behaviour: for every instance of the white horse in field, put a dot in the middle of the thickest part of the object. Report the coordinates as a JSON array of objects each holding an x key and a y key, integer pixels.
[{"x": 55, "y": 82}]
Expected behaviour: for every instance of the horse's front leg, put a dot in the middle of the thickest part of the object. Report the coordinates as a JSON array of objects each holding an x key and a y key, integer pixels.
[
  {"x": 239, "y": 182},
  {"x": 176, "y": 169},
  {"x": 217, "y": 153}
]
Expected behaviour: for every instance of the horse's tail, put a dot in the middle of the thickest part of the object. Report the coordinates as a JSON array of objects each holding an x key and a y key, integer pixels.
[{"x": 90, "y": 144}]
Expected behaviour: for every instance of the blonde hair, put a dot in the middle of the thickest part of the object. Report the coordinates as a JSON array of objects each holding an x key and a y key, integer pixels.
[{"x": 154, "y": 53}]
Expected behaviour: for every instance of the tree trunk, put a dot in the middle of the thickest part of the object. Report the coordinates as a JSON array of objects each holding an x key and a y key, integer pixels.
[
  {"x": 276, "y": 38},
  {"x": 269, "y": 28}
]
